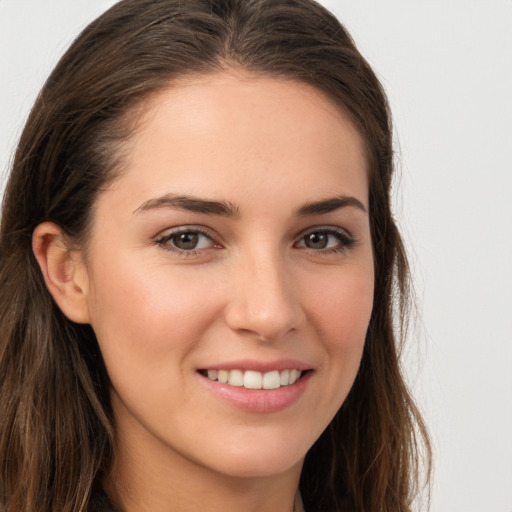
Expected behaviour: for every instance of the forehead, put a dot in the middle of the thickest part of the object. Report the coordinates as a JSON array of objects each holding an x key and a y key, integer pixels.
[{"x": 224, "y": 133}]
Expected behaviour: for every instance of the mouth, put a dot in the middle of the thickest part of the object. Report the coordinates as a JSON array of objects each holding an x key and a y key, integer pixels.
[
  {"x": 258, "y": 387},
  {"x": 250, "y": 379}
]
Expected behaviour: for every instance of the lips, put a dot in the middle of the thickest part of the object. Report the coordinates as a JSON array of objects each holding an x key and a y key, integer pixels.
[
  {"x": 252, "y": 379},
  {"x": 257, "y": 386}
]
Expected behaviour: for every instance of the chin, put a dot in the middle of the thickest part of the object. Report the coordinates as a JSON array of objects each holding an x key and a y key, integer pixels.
[
  {"x": 259, "y": 460},
  {"x": 268, "y": 467}
]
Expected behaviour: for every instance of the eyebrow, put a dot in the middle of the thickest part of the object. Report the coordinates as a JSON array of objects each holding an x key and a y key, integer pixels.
[
  {"x": 191, "y": 204},
  {"x": 329, "y": 205},
  {"x": 227, "y": 209}
]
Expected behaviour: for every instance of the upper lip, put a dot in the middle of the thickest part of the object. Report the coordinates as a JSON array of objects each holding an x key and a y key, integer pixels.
[{"x": 260, "y": 366}]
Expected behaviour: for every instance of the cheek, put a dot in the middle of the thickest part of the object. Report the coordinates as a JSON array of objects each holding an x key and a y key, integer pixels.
[
  {"x": 142, "y": 319},
  {"x": 341, "y": 310},
  {"x": 342, "y": 304}
]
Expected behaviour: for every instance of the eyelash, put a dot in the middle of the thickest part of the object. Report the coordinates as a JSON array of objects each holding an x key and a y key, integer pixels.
[
  {"x": 164, "y": 241},
  {"x": 345, "y": 240}
]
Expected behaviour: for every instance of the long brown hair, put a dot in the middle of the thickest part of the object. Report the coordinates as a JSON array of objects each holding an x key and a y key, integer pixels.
[{"x": 57, "y": 439}]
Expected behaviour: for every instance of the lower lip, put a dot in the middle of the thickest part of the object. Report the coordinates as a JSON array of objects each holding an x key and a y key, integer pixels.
[{"x": 259, "y": 400}]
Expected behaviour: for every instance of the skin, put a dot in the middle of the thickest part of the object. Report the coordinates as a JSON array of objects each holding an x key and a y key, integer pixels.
[{"x": 253, "y": 289}]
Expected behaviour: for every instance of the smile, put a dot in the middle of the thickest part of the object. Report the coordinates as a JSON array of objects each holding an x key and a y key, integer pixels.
[
  {"x": 257, "y": 387},
  {"x": 250, "y": 379}
]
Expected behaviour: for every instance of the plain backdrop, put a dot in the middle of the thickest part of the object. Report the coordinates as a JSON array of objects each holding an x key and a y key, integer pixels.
[{"x": 447, "y": 68}]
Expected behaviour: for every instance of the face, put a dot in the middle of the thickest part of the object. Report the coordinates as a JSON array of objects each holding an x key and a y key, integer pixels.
[{"x": 230, "y": 274}]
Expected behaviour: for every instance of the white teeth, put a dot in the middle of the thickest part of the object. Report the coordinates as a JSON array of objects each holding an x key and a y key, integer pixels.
[
  {"x": 236, "y": 378},
  {"x": 294, "y": 376},
  {"x": 271, "y": 380},
  {"x": 255, "y": 380}
]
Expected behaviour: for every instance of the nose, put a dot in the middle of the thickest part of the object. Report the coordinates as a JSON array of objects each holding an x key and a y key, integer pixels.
[{"x": 264, "y": 302}]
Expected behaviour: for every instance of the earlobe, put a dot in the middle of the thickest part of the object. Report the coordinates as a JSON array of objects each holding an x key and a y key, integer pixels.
[{"x": 64, "y": 272}]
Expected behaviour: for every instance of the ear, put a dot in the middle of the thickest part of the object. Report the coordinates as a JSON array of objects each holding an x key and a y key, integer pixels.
[{"x": 64, "y": 271}]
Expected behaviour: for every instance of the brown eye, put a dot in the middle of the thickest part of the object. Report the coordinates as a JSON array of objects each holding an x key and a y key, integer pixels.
[
  {"x": 186, "y": 241},
  {"x": 317, "y": 240},
  {"x": 329, "y": 239}
]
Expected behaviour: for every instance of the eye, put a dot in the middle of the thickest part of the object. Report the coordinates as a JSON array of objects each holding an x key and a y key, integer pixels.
[
  {"x": 326, "y": 240},
  {"x": 185, "y": 240}
]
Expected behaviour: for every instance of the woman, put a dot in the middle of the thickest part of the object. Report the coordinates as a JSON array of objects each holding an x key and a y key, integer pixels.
[{"x": 200, "y": 272}]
